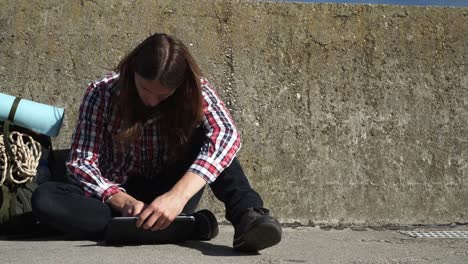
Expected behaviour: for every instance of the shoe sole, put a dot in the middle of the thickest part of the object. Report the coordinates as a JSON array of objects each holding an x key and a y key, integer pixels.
[{"x": 262, "y": 236}]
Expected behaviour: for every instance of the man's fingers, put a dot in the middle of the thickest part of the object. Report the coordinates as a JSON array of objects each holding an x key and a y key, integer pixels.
[
  {"x": 138, "y": 209},
  {"x": 159, "y": 223},
  {"x": 127, "y": 212},
  {"x": 166, "y": 224},
  {"x": 142, "y": 218},
  {"x": 151, "y": 220}
]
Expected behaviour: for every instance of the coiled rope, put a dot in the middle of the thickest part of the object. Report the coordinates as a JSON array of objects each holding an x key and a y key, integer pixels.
[{"x": 22, "y": 167}]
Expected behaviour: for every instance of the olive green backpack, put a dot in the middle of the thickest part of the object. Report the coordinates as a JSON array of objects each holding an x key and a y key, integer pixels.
[{"x": 16, "y": 215}]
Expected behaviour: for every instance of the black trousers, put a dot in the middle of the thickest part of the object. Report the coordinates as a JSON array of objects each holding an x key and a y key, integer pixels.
[{"x": 64, "y": 207}]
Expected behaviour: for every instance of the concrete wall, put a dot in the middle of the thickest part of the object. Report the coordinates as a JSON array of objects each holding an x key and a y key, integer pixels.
[{"x": 350, "y": 114}]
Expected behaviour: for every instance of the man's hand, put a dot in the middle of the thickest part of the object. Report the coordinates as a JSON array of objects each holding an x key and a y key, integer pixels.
[
  {"x": 162, "y": 211},
  {"x": 126, "y": 204}
]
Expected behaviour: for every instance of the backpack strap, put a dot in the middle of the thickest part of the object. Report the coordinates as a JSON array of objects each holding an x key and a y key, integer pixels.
[
  {"x": 20, "y": 201},
  {"x": 25, "y": 195},
  {"x": 5, "y": 206},
  {"x": 14, "y": 106},
  {"x": 13, "y": 201},
  {"x": 6, "y": 126},
  {"x": 6, "y": 136}
]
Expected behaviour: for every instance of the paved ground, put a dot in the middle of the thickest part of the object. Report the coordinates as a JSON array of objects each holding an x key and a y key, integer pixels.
[{"x": 299, "y": 245}]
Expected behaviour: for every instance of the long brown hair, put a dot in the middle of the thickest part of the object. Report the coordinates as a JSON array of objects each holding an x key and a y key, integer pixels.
[{"x": 165, "y": 58}]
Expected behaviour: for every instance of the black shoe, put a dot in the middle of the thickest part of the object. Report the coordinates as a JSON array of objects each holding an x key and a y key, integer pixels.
[
  {"x": 257, "y": 230},
  {"x": 206, "y": 226}
]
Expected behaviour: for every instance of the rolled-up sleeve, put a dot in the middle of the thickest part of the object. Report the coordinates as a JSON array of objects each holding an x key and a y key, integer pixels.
[
  {"x": 223, "y": 139},
  {"x": 87, "y": 138}
]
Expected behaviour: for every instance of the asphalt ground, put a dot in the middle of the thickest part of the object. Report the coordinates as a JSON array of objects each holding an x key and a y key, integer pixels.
[{"x": 298, "y": 245}]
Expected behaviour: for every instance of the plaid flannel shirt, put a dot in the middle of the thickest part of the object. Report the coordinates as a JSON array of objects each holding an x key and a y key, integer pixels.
[{"x": 100, "y": 165}]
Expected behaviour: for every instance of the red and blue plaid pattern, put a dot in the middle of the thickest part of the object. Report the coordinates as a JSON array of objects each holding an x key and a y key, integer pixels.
[{"x": 100, "y": 165}]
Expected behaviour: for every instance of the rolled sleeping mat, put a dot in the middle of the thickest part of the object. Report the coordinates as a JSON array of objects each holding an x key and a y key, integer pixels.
[{"x": 41, "y": 118}]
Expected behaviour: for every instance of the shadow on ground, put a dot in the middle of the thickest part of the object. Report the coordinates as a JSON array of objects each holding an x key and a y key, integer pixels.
[{"x": 205, "y": 248}]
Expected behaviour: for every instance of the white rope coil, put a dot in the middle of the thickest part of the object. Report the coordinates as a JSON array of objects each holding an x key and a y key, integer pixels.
[{"x": 22, "y": 167}]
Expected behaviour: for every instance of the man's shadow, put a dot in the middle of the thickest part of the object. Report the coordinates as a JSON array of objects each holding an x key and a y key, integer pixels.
[
  {"x": 205, "y": 248},
  {"x": 209, "y": 249}
]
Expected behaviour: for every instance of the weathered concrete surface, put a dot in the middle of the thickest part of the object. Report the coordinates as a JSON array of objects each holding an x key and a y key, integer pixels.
[
  {"x": 350, "y": 114},
  {"x": 299, "y": 245}
]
